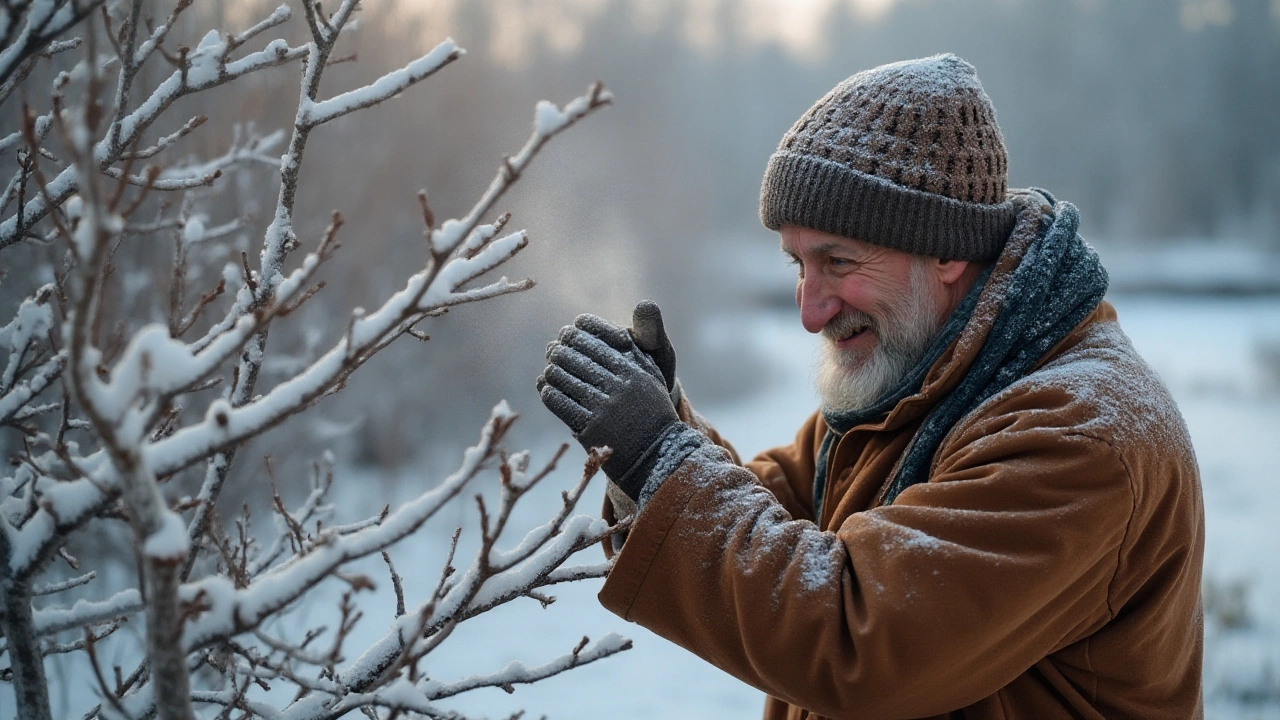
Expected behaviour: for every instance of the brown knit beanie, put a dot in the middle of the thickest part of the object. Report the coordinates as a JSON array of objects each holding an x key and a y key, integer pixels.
[{"x": 906, "y": 156}]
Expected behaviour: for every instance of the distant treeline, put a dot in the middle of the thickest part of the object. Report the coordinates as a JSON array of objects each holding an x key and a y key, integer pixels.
[
  {"x": 1159, "y": 118},
  {"x": 1154, "y": 127}
]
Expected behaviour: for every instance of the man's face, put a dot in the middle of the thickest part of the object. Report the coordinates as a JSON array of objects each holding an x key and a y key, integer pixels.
[{"x": 877, "y": 309}]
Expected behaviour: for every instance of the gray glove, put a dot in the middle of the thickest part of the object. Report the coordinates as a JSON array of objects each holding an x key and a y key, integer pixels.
[
  {"x": 609, "y": 392},
  {"x": 651, "y": 337}
]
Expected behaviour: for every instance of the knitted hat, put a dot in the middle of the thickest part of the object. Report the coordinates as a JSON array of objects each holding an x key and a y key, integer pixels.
[{"x": 906, "y": 156}]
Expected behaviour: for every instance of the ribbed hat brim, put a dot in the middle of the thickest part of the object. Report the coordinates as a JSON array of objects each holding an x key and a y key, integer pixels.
[{"x": 815, "y": 193}]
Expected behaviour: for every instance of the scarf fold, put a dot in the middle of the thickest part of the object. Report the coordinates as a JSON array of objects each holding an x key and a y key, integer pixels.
[{"x": 1057, "y": 283}]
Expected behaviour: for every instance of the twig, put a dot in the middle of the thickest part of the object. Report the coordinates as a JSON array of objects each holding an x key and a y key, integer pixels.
[
  {"x": 395, "y": 583},
  {"x": 42, "y": 590},
  {"x": 81, "y": 644},
  {"x": 517, "y": 673},
  {"x": 164, "y": 142}
]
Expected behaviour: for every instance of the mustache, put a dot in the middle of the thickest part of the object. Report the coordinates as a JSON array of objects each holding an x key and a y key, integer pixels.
[{"x": 847, "y": 323}]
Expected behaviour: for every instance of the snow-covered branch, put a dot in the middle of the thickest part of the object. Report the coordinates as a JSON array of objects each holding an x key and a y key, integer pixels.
[
  {"x": 42, "y": 21},
  {"x": 65, "y": 585},
  {"x": 517, "y": 673},
  {"x": 16, "y": 398},
  {"x": 50, "y": 621},
  {"x": 493, "y": 577},
  {"x": 317, "y": 113},
  {"x": 208, "y": 66}
]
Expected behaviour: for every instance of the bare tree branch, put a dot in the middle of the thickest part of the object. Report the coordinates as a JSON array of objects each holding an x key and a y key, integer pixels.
[{"x": 45, "y": 21}]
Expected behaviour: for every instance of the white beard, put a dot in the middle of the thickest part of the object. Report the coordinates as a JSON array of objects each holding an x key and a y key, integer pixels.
[{"x": 848, "y": 380}]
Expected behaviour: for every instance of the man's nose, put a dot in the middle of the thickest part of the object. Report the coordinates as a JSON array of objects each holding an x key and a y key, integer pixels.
[{"x": 817, "y": 303}]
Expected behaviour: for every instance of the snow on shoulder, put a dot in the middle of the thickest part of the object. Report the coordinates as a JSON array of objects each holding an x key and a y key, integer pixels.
[{"x": 1124, "y": 396}]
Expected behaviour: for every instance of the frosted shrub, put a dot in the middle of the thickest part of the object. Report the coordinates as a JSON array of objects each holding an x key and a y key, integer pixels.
[{"x": 110, "y": 388}]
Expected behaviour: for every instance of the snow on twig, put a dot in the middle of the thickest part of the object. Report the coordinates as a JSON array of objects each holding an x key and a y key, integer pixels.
[
  {"x": 278, "y": 17},
  {"x": 405, "y": 695},
  {"x": 53, "y": 588},
  {"x": 158, "y": 35},
  {"x": 385, "y": 87},
  {"x": 87, "y": 612},
  {"x": 581, "y": 572},
  {"x": 15, "y": 398},
  {"x": 45, "y": 20},
  {"x": 486, "y": 583},
  {"x": 40, "y": 127},
  {"x": 517, "y": 673},
  {"x": 207, "y": 76}
]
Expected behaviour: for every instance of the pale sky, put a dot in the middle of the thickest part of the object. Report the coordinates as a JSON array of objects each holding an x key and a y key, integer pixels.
[{"x": 795, "y": 25}]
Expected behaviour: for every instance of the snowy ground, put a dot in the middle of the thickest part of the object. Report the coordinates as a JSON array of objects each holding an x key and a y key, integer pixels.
[{"x": 1220, "y": 356}]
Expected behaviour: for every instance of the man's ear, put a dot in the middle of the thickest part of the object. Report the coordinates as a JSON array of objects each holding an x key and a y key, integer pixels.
[{"x": 950, "y": 271}]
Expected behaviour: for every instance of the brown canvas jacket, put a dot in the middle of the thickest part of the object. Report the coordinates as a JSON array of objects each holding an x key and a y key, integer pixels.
[{"x": 1049, "y": 568}]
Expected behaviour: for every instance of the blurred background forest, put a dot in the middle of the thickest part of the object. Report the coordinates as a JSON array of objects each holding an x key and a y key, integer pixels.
[{"x": 1156, "y": 117}]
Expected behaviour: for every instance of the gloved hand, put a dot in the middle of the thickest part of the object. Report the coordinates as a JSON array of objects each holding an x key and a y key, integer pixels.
[
  {"x": 609, "y": 392},
  {"x": 650, "y": 336}
]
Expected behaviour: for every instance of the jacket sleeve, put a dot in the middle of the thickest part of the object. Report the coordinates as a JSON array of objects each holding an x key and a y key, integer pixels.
[
  {"x": 910, "y": 610},
  {"x": 694, "y": 419},
  {"x": 684, "y": 410},
  {"x": 786, "y": 471}
]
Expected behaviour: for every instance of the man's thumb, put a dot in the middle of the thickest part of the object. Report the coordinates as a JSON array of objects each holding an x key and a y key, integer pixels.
[{"x": 646, "y": 323}]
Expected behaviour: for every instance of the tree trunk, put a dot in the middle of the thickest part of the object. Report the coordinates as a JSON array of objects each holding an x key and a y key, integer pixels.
[{"x": 30, "y": 688}]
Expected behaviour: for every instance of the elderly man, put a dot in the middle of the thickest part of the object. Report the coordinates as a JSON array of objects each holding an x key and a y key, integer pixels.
[{"x": 996, "y": 512}]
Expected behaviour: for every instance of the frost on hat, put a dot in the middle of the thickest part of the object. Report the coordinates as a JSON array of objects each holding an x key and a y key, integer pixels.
[{"x": 906, "y": 155}]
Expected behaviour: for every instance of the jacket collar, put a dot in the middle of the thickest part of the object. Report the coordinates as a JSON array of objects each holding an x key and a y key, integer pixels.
[{"x": 1034, "y": 213}]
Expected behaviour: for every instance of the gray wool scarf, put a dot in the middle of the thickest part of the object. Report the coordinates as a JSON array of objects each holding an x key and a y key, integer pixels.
[{"x": 1057, "y": 284}]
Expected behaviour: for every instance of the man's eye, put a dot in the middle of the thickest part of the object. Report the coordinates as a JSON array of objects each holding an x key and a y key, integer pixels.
[
  {"x": 794, "y": 261},
  {"x": 841, "y": 262}
]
